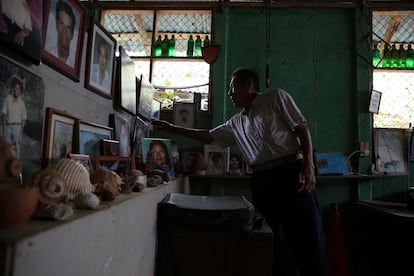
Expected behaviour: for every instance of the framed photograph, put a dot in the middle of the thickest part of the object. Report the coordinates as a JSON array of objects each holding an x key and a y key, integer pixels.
[
  {"x": 193, "y": 161},
  {"x": 184, "y": 114},
  {"x": 236, "y": 164},
  {"x": 126, "y": 92},
  {"x": 122, "y": 165},
  {"x": 391, "y": 151},
  {"x": 85, "y": 160},
  {"x": 156, "y": 109},
  {"x": 63, "y": 33},
  {"x": 141, "y": 130},
  {"x": 89, "y": 136},
  {"x": 374, "y": 101},
  {"x": 100, "y": 61},
  {"x": 28, "y": 142},
  {"x": 145, "y": 92},
  {"x": 157, "y": 154},
  {"x": 23, "y": 21},
  {"x": 58, "y": 135},
  {"x": 217, "y": 159},
  {"x": 122, "y": 133},
  {"x": 109, "y": 147}
]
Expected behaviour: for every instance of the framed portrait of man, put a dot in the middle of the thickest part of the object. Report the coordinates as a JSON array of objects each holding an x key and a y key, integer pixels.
[
  {"x": 63, "y": 33},
  {"x": 100, "y": 61}
]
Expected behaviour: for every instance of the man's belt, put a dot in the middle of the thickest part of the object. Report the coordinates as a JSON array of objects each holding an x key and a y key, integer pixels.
[
  {"x": 277, "y": 162},
  {"x": 14, "y": 124}
]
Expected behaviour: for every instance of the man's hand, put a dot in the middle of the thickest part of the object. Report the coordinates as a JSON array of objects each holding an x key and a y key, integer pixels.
[
  {"x": 307, "y": 179},
  {"x": 161, "y": 124}
]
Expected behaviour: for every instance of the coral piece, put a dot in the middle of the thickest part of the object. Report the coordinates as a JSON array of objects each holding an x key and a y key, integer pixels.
[
  {"x": 58, "y": 211},
  {"x": 86, "y": 200},
  {"x": 164, "y": 176},
  {"x": 154, "y": 180},
  {"x": 107, "y": 184},
  {"x": 76, "y": 176},
  {"x": 131, "y": 182}
]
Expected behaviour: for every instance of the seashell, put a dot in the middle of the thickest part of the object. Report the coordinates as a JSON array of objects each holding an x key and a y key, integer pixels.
[
  {"x": 57, "y": 211},
  {"x": 76, "y": 176},
  {"x": 86, "y": 201},
  {"x": 107, "y": 184},
  {"x": 154, "y": 180},
  {"x": 52, "y": 185}
]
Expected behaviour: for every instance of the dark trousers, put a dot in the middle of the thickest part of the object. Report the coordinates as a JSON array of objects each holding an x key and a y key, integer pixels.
[{"x": 295, "y": 219}]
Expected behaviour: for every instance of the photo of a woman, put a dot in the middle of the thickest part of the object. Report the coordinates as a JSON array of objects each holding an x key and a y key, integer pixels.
[{"x": 157, "y": 155}]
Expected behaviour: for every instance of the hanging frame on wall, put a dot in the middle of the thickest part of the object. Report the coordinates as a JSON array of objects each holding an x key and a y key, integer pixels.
[{"x": 374, "y": 101}]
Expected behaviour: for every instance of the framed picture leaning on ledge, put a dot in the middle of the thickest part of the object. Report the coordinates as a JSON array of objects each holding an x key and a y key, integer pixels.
[{"x": 58, "y": 135}]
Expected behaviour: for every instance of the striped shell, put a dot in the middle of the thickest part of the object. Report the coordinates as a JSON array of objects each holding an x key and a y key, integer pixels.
[{"x": 76, "y": 176}]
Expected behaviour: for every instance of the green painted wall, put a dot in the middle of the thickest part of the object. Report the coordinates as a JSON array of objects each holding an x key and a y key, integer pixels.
[{"x": 311, "y": 55}]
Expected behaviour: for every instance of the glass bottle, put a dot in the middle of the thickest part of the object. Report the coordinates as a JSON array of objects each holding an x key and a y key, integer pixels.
[
  {"x": 164, "y": 46},
  {"x": 403, "y": 56},
  {"x": 157, "y": 50},
  {"x": 190, "y": 46},
  {"x": 395, "y": 57},
  {"x": 409, "y": 62},
  {"x": 386, "y": 62},
  {"x": 197, "y": 48},
  {"x": 171, "y": 47},
  {"x": 206, "y": 41},
  {"x": 376, "y": 56}
]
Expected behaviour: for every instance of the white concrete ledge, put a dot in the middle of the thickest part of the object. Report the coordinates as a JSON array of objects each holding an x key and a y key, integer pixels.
[{"x": 117, "y": 239}]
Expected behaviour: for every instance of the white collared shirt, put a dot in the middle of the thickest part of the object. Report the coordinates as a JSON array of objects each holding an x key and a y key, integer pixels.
[{"x": 266, "y": 132}]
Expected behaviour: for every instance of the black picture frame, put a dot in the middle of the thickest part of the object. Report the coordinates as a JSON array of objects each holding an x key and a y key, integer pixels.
[
  {"x": 141, "y": 130},
  {"x": 100, "y": 39},
  {"x": 145, "y": 98},
  {"x": 24, "y": 34},
  {"x": 127, "y": 83},
  {"x": 71, "y": 66}
]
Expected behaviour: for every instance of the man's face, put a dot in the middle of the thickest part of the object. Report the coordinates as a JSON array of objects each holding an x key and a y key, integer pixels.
[
  {"x": 159, "y": 154},
  {"x": 237, "y": 92},
  {"x": 64, "y": 27}
]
